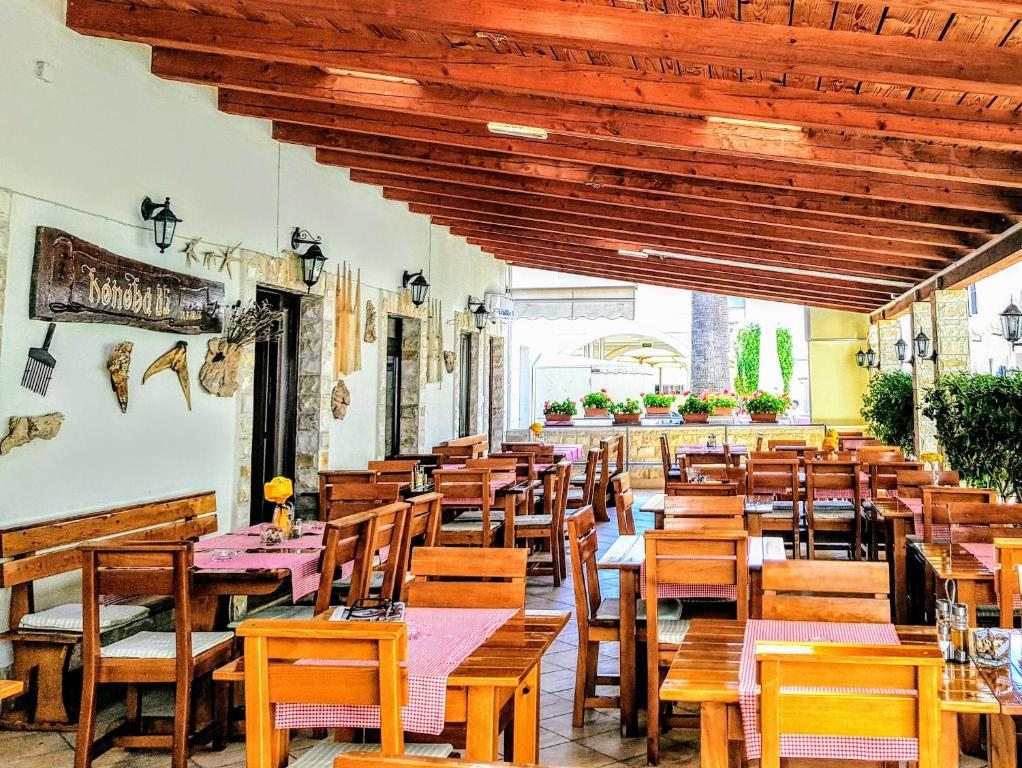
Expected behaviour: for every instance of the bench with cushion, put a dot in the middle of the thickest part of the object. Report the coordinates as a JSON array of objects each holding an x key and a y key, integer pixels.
[{"x": 47, "y": 644}]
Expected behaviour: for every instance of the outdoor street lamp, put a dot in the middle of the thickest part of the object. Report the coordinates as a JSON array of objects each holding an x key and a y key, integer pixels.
[
  {"x": 417, "y": 285},
  {"x": 163, "y": 219},
  {"x": 479, "y": 314},
  {"x": 313, "y": 258}
]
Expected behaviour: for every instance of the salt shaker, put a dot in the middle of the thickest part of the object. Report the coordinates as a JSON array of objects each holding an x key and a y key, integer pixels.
[
  {"x": 960, "y": 633},
  {"x": 944, "y": 627}
]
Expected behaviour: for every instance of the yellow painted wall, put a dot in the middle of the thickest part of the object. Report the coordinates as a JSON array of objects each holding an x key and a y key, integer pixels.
[{"x": 836, "y": 383}]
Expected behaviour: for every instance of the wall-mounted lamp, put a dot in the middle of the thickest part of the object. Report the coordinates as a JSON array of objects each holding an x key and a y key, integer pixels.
[
  {"x": 1011, "y": 324},
  {"x": 922, "y": 344},
  {"x": 417, "y": 285},
  {"x": 479, "y": 313},
  {"x": 163, "y": 219},
  {"x": 313, "y": 258},
  {"x": 860, "y": 358},
  {"x": 867, "y": 359},
  {"x": 901, "y": 350}
]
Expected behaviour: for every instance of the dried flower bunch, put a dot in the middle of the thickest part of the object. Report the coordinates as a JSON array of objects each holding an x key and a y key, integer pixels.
[{"x": 252, "y": 323}]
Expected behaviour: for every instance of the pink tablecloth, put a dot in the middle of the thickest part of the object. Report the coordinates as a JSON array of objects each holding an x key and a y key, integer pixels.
[
  {"x": 706, "y": 591},
  {"x": 819, "y": 747},
  {"x": 940, "y": 532},
  {"x": 495, "y": 486},
  {"x": 737, "y": 449},
  {"x": 984, "y": 552},
  {"x": 571, "y": 451},
  {"x": 439, "y": 640},
  {"x": 300, "y": 556}
]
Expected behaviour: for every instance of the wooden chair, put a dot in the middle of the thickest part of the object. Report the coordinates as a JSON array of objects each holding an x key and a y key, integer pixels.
[
  {"x": 855, "y": 442},
  {"x": 344, "y": 499},
  {"x": 42, "y": 642},
  {"x": 1009, "y": 558},
  {"x": 826, "y": 590},
  {"x": 542, "y": 452},
  {"x": 525, "y": 463},
  {"x": 883, "y": 481},
  {"x": 624, "y": 501},
  {"x": 445, "y": 577},
  {"x": 936, "y": 501},
  {"x": 692, "y": 460},
  {"x": 393, "y": 470},
  {"x": 497, "y": 466},
  {"x": 909, "y": 483},
  {"x": 548, "y": 526},
  {"x": 469, "y": 490},
  {"x": 276, "y": 674},
  {"x": 347, "y": 540},
  {"x": 585, "y": 495},
  {"x": 422, "y": 528},
  {"x": 328, "y": 477},
  {"x": 672, "y": 472},
  {"x": 598, "y": 619},
  {"x": 979, "y": 521},
  {"x": 181, "y": 658},
  {"x": 600, "y": 502},
  {"x": 805, "y": 690},
  {"x": 840, "y": 478},
  {"x": 779, "y": 479},
  {"x": 717, "y": 558},
  {"x": 355, "y": 760},
  {"x": 774, "y": 444},
  {"x": 455, "y": 454},
  {"x": 702, "y": 489},
  {"x": 735, "y": 475},
  {"x": 772, "y": 455}
]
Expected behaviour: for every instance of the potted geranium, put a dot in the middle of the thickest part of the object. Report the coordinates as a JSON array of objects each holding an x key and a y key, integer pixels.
[
  {"x": 696, "y": 409},
  {"x": 764, "y": 406},
  {"x": 657, "y": 405},
  {"x": 559, "y": 412},
  {"x": 596, "y": 403},
  {"x": 626, "y": 411},
  {"x": 724, "y": 403}
]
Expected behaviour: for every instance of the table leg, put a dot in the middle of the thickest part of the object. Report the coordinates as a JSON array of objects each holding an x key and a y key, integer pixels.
[
  {"x": 629, "y": 713},
  {"x": 204, "y": 610},
  {"x": 526, "y": 723},
  {"x": 897, "y": 539},
  {"x": 481, "y": 728},
  {"x": 1001, "y": 741},
  {"x": 948, "y": 753},
  {"x": 754, "y": 523},
  {"x": 713, "y": 751}
]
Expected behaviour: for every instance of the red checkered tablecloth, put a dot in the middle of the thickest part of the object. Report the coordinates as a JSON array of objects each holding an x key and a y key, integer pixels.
[
  {"x": 914, "y": 503},
  {"x": 711, "y": 591},
  {"x": 807, "y": 746},
  {"x": 439, "y": 640}
]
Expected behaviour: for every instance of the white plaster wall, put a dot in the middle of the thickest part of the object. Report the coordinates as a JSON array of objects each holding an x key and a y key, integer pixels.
[{"x": 79, "y": 153}]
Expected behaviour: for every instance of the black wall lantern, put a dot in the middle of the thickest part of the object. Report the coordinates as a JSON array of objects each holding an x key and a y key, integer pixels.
[
  {"x": 313, "y": 258},
  {"x": 163, "y": 219},
  {"x": 922, "y": 344},
  {"x": 417, "y": 285},
  {"x": 1011, "y": 324},
  {"x": 871, "y": 358},
  {"x": 901, "y": 350},
  {"x": 479, "y": 313},
  {"x": 860, "y": 359}
]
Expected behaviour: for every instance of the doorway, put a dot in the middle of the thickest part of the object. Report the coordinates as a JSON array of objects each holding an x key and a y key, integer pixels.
[
  {"x": 401, "y": 417},
  {"x": 275, "y": 401}
]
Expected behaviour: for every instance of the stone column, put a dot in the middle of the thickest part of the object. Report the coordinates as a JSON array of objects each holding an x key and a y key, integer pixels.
[
  {"x": 951, "y": 330},
  {"x": 923, "y": 372},
  {"x": 888, "y": 333}
]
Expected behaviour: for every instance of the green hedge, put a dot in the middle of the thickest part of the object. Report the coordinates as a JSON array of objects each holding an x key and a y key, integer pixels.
[
  {"x": 888, "y": 409},
  {"x": 786, "y": 357},
  {"x": 747, "y": 359}
]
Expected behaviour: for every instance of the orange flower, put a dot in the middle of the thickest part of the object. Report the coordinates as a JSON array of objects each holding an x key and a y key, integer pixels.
[{"x": 278, "y": 490}]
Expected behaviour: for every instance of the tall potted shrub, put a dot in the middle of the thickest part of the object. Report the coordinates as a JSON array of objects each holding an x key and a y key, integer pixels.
[
  {"x": 979, "y": 422},
  {"x": 887, "y": 408}
]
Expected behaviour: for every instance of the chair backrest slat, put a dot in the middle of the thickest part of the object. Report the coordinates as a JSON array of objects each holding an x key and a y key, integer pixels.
[
  {"x": 457, "y": 577},
  {"x": 624, "y": 500},
  {"x": 583, "y": 543},
  {"x": 821, "y": 590}
]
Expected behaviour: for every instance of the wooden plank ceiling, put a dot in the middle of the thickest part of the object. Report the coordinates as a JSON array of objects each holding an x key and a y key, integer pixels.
[{"x": 825, "y": 153}]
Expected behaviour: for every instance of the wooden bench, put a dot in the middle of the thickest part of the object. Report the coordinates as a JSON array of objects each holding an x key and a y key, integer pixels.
[
  {"x": 44, "y": 658},
  {"x": 469, "y": 447}
]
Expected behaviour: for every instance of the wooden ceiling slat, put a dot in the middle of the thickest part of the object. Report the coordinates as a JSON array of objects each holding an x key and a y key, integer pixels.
[
  {"x": 836, "y": 54},
  {"x": 661, "y": 161},
  {"x": 596, "y": 85},
  {"x": 907, "y": 23}
]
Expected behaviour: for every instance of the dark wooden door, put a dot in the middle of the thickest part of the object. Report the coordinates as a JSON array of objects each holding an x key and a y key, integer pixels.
[
  {"x": 395, "y": 342},
  {"x": 275, "y": 404}
]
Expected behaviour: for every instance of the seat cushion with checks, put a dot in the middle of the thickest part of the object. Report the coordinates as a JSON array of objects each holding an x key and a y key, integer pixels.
[
  {"x": 668, "y": 608},
  {"x": 162, "y": 645},
  {"x": 68, "y": 617},
  {"x": 322, "y": 754},
  {"x": 468, "y": 526}
]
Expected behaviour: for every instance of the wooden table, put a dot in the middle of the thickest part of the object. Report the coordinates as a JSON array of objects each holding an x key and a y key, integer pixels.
[
  {"x": 705, "y": 671},
  {"x": 10, "y": 688},
  {"x": 736, "y": 449},
  {"x": 896, "y": 519},
  {"x": 662, "y": 505},
  {"x": 1001, "y": 735},
  {"x": 952, "y": 561},
  {"x": 506, "y": 668},
  {"x": 626, "y": 556}
]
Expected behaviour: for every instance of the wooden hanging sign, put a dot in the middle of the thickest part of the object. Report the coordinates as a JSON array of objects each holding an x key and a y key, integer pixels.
[{"x": 74, "y": 281}]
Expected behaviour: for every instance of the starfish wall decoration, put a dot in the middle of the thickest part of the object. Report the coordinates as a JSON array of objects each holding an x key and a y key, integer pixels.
[
  {"x": 226, "y": 257},
  {"x": 189, "y": 251}
]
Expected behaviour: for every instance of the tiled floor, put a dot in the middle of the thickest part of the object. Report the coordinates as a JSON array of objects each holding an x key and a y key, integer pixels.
[{"x": 598, "y": 743}]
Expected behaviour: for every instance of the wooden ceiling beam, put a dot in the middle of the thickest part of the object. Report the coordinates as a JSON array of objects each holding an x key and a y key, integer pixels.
[
  {"x": 1005, "y": 9},
  {"x": 278, "y": 47},
  {"x": 633, "y": 181},
  {"x": 616, "y": 242},
  {"x": 557, "y": 255},
  {"x": 728, "y": 170},
  {"x": 518, "y": 258},
  {"x": 478, "y": 185},
  {"x": 581, "y": 123},
  {"x": 893, "y": 60},
  {"x": 555, "y": 209},
  {"x": 898, "y": 268}
]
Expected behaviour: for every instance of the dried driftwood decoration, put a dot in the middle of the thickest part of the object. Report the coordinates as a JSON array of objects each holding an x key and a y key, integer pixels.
[
  {"x": 340, "y": 400},
  {"x": 347, "y": 322},
  {"x": 370, "y": 334},
  {"x": 176, "y": 360},
  {"x": 246, "y": 325},
  {"x": 25, "y": 429},
  {"x": 450, "y": 360},
  {"x": 117, "y": 364}
]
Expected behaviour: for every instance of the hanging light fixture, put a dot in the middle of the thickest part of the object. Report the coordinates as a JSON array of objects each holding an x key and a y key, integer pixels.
[
  {"x": 860, "y": 359},
  {"x": 479, "y": 313},
  {"x": 922, "y": 343},
  {"x": 417, "y": 285},
  {"x": 163, "y": 219},
  {"x": 901, "y": 349},
  {"x": 1011, "y": 323},
  {"x": 871, "y": 358},
  {"x": 313, "y": 258}
]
